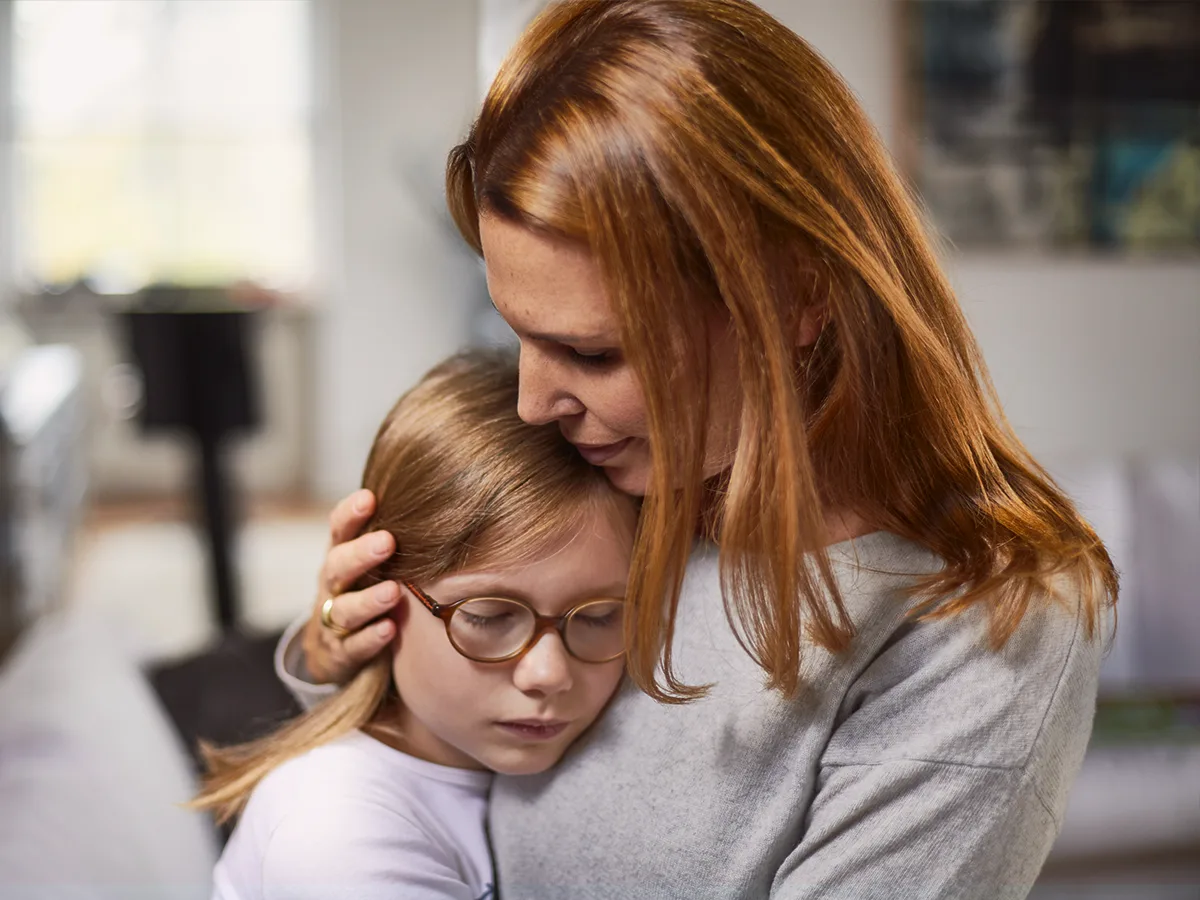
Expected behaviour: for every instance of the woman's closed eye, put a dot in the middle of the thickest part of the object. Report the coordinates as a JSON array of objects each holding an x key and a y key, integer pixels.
[{"x": 591, "y": 358}]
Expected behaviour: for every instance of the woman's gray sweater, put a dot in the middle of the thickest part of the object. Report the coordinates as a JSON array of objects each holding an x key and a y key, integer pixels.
[{"x": 920, "y": 765}]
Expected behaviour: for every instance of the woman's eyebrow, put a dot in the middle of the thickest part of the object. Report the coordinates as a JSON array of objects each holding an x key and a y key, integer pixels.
[
  {"x": 558, "y": 337},
  {"x": 571, "y": 339}
]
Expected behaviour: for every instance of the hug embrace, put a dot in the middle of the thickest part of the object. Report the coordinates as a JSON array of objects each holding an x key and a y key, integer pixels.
[{"x": 735, "y": 583}]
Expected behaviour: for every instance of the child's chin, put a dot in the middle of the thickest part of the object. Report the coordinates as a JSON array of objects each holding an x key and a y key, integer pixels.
[{"x": 523, "y": 763}]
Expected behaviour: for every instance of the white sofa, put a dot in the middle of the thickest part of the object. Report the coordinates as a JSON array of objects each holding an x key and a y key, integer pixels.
[
  {"x": 1132, "y": 827},
  {"x": 92, "y": 775}
]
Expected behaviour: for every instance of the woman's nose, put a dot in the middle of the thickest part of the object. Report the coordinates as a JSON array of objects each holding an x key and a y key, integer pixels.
[
  {"x": 545, "y": 669},
  {"x": 543, "y": 397}
]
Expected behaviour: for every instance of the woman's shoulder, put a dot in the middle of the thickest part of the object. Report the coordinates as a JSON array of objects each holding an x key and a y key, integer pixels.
[
  {"x": 937, "y": 690},
  {"x": 876, "y": 575},
  {"x": 932, "y": 689}
]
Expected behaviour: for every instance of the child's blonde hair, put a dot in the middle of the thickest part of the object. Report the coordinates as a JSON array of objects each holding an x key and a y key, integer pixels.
[{"x": 459, "y": 481}]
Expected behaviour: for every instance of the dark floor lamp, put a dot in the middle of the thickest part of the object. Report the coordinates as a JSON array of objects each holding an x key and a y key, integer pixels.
[{"x": 196, "y": 352}]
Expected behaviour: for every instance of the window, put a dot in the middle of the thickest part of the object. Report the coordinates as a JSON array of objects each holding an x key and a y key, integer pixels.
[{"x": 161, "y": 140}]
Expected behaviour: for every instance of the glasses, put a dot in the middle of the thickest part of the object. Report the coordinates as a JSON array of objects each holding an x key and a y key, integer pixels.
[{"x": 498, "y": 629}]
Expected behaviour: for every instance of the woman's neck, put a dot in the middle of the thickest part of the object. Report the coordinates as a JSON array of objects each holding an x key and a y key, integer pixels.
[{"x": 842, "y": 525}]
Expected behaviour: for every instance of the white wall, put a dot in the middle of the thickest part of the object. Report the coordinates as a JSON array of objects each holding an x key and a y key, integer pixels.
[
  {"x": 399, "y": 284},
  {"x": 501, "y": 22},
  {"x": 1092, "y": 358}
]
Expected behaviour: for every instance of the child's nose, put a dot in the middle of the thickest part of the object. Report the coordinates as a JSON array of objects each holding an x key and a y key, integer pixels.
[{"x": 545, "y": 668}]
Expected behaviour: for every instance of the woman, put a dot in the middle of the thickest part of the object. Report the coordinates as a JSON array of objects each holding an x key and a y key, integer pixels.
[{"x": 875, "y": 674}]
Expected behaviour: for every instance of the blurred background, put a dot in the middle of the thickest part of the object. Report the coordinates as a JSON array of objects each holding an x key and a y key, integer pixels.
[{"x": 224, "y": 253}]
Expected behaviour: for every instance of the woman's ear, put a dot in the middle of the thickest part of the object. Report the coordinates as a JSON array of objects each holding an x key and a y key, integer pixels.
[{"x": 812, "y": 323}]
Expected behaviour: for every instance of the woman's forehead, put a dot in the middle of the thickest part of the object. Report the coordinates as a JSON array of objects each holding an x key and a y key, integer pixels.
[{"x": 542, "y": 284}]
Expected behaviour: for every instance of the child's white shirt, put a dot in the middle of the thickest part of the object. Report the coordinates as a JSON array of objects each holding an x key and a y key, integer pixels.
[{"x": 358, "y": 819}]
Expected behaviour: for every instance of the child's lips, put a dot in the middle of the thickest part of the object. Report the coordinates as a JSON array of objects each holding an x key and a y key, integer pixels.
[{"x": 534, "y": 729}]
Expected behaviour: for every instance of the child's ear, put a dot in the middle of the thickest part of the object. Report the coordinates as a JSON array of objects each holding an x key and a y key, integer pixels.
[{"x": 401, "y": 611}]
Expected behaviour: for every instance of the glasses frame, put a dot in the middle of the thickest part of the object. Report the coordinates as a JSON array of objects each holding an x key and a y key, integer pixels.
[{"x": 541, "y": 624}]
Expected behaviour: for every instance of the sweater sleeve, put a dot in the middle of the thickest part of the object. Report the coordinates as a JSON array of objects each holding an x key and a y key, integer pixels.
[
  {"x": 921, "y": 830},
  {"x": 290, "y": 669},
  {"x": 948, "y": 774}
]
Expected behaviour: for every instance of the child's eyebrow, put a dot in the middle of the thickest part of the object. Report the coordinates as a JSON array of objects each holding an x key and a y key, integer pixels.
[{"x": 614, "y": 590}]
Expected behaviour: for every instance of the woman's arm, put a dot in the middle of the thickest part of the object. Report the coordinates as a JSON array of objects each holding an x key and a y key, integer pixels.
[
  {"x": 932, "y": 785},
  {"x": 291, "y": 670},
  {"x": 922, "y": 830}
]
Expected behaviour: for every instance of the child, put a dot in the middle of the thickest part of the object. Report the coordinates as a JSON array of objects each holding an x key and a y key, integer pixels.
[{"x": 513, "y": 555}]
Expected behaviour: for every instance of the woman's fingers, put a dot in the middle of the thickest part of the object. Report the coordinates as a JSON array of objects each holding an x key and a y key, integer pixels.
[
  {"x": 365, "y": 644},
  {"x": 348, "y": 561},
  {"x": 350, "y": 515},
  {"x": 358, "y": 608},
  {"x": 335, "y": 655}
]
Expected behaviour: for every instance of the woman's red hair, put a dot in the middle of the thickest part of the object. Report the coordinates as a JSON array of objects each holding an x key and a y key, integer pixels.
[{"x": 713, "y": 162}]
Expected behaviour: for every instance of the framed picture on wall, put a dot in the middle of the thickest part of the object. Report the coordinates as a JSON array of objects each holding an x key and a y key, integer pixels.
[{"x": 1055, "y": 124}]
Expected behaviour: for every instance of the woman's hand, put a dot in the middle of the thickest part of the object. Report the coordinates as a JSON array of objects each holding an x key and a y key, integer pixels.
[{"x": 335, "y": 652}]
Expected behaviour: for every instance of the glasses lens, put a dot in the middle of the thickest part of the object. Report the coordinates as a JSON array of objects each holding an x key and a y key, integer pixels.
[
  {"x": 596, "y": 631},
  {"x": 490, "y": 628}
]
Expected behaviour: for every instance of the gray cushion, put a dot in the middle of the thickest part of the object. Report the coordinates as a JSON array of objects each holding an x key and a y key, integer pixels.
[{"x": 91, "y": 775}]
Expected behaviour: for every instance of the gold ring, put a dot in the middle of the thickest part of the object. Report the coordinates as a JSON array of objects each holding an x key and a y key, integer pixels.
[{"x": 327, "y": 619}]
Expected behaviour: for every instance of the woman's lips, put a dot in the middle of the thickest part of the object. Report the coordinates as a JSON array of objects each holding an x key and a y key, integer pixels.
[
  {"x": 599, "y": 454},
  {"x": 532, "y": 730}
]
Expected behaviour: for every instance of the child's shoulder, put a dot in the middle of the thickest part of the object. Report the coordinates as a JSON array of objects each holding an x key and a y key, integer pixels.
[
  {"x": 356, "y": 772},
  {"x": 356, "y": 810},
  {"x": 328, "y": 769}
]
